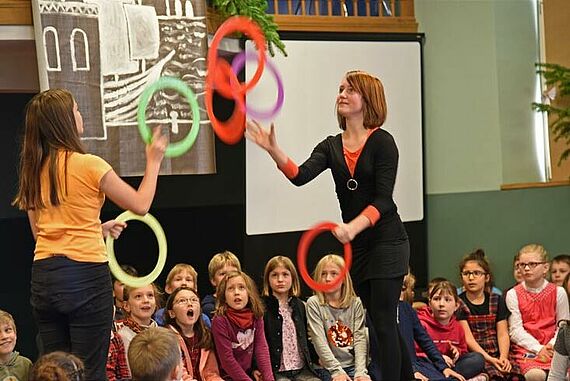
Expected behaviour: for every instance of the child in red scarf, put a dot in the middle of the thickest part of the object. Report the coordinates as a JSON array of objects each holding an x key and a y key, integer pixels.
[{"x": 238, "y": 329}]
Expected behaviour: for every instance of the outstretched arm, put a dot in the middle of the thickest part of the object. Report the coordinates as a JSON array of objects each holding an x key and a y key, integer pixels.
[{"x": 140, "y": 200}]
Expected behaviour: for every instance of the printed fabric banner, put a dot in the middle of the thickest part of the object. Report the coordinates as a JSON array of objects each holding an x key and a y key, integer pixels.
[{"x": 106, "y": 52}]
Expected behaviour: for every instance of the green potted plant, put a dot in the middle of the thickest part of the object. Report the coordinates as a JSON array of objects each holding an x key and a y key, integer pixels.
[
  {"x": 556, "y": 102},
  {"x": 254, "y": 9}
]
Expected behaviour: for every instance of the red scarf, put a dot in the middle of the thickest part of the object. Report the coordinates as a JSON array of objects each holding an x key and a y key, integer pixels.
[
  {"x": 242, "y": 318},
  {"x": 133, "y": 325}
]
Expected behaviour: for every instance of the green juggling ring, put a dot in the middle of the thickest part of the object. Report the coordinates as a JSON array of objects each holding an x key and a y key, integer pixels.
[
  {"x": 122, "y": 276},
  {"x": 177, "y": 148}
]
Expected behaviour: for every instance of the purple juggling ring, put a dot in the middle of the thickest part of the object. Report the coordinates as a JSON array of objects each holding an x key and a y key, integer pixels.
[{"x": 237, "y": 65}]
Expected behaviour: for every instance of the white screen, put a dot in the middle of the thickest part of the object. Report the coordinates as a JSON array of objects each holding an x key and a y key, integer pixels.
[{"x": 311, "y": 75}]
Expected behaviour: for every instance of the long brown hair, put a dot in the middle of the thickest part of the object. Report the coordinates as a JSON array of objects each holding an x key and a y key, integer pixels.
[
  {"x": 204, "y": 336},
  {"x": 49, "y": 127},
  {"x": 254, "y": 301},
  {"x": 371, "y": 90},
  {"x": 287, "y": 264}
]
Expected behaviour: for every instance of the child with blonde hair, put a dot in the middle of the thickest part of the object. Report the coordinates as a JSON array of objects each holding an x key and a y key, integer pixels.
[
  {"x": 438, "y": 319},
  {"x": 484, "y": 317},
  {"x": 336, "y": 322},
  {"x": 286, "y": 322},
  {"x": 155, "y": 356},
  {"x": 238, "y": 329},
  {"x": 11, "y": 363},
  {"x": 535, "y": 305},
  {"x": 181, "y": 275},
  {"x": 220, "y": 264},
  {"x": 194, "y": 337}
]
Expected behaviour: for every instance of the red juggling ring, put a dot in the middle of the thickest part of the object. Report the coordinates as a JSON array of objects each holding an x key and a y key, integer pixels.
[
  {"x": 222, "y": 79},
  {"x": 302, "y": 250}
]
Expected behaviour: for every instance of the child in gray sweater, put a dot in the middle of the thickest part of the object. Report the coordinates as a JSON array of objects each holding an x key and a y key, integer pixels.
[{"x": 336, "y": 325}]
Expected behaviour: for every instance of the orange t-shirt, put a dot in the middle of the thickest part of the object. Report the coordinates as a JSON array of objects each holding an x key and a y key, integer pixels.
[{"x": 73, "y": 228}]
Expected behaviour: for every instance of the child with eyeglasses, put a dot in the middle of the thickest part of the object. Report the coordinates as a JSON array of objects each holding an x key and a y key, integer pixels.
[
  {"x": 183, "y": 317},
  {"x": 535, "y": 305},
  {"x": 483, "y": 316}
]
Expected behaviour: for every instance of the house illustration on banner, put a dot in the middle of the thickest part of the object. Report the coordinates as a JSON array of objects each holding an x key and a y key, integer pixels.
[{"x": 106, "y": 52}]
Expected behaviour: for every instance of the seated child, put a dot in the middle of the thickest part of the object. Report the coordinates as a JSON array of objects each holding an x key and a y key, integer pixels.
[
  {"x": 140, "y": 305},
  {"x": 535, "y": 305},
  {"x": 181, "y": 275},
  {"x": 484, "y": 317},
  {"x": 220, "y": 264},
  {"x": 431, "y": 365},
  {"x": 560, "y": 362},
  {"x": 447, "y": 334},
  {"x": 118, "y": 287},
  {"x": 238, "y": 330},
  {"x": 336, "y": 325},
  {"x": 286, "y": 322},
  {"x": 559, "y": 268},
  {"x": 194, "y": 338},
  {"x": 58, "y": 366},
  {"x": 11, "y": 363},
  {"x": 154, "y": 355}
]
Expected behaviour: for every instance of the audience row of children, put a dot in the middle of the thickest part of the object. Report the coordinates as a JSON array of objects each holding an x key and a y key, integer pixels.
[{"x": 280, "y": 337}]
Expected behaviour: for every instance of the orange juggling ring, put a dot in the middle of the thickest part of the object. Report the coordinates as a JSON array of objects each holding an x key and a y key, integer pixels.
[
  {"x": 222, "y": 79},
  {"x": 302, "y": 250}
]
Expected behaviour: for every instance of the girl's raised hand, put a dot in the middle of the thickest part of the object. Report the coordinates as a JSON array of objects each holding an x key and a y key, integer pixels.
[
  {"x": 157, "y": 146},
  {"x": 258, "y": 135}
]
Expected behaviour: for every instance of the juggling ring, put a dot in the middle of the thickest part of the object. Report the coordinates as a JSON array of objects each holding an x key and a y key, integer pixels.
[
  {"x": 237, "y": 64},
  {"x": 177, "y": 148},
  {"x": 231, "y": 25},
  {"x": 122, "y": 276},
  {"x": 306, "y": 239},
  {"x": 231, "y": 131}
]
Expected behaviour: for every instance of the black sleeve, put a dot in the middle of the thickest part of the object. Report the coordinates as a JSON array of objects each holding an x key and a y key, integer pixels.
[
  {"x": 314, "y": 165},
  {"x": 385, "y": 167}
]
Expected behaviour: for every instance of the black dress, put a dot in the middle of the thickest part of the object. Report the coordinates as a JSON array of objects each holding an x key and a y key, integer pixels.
[{"x": 380, "y": 251}]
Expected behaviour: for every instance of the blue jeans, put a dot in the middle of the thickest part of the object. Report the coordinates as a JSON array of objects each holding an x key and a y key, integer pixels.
[{"x": 72, "y": 303}]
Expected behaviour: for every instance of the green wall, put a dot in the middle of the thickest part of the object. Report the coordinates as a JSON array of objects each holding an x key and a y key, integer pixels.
[{"x": 479, "y": 82}]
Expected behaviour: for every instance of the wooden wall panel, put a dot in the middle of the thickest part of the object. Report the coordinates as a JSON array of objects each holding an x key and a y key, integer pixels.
[{"x": 557, "y": 49}]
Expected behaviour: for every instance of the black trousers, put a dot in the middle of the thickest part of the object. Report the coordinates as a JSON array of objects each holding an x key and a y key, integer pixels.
[
  {"x": 72, "y": 303},
  {"x": 380, "y": 297}
]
